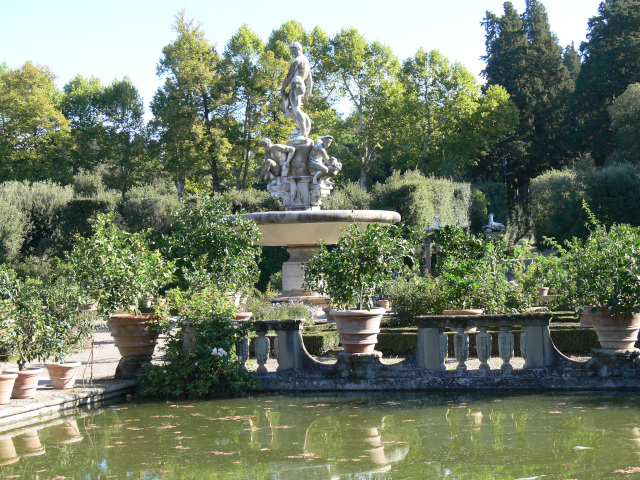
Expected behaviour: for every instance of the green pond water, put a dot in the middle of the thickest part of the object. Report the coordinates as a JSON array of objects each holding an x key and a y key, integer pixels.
[{"x": 324, "y": 436}]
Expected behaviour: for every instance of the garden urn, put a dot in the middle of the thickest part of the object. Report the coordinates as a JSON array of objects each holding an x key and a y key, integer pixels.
[{"x": 358, "y": 329}]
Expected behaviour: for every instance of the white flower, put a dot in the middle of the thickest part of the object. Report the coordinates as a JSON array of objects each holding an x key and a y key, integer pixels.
[
  {"x": 196, "y": 364},
  {"x": 164, "y": 371},
  {"x": 214, "y": 351}
]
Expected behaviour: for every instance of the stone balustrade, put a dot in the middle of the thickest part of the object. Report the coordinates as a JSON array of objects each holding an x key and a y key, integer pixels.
[{"x": 544, "y": 367}]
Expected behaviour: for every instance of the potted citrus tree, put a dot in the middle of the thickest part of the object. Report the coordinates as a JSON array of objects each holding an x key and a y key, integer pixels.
[
  {"x": 120, "y": 270},
  {"x": 351, "y": 274},
  {"x": 604, "y": 273}
]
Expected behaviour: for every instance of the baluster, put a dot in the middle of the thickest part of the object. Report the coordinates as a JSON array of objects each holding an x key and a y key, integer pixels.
[
  {"x": 276, "y": 347},
  {"x": 262, "y": 350},
  {"x": 443, "y": 342},
  {"x": 483, "y": 345},
  {"x": 505, "y": 347},
  {"x": 461, "y": 346},
  {"x": 242, "y": 350},
  {"x": 523, "y": 345}
]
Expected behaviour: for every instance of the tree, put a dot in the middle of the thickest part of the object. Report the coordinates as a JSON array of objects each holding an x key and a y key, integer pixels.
[
  {"x": 187, "y": 106},
  {"x": 438, "y": 96},
  {"x": 525, "y": 58},
  {"x": 366, "y": 74},
  {"x": 625, "y": 120},
  {"x": 611, "y": 63},
  {"x": 125, "y": 135},
  {"x": 34, "y": 134},
  {"x": 81, "y": 105}
]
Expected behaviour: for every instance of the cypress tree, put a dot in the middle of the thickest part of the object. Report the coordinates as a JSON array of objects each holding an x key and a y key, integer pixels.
[{"x": 611, "y": 63}]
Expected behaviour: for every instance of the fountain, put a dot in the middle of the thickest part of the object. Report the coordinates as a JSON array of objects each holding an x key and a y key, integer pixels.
[{"x": 300, "y": 174}]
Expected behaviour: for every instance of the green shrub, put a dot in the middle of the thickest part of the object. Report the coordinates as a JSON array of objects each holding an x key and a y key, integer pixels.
[
  {"x": 614, "y": 194},
  {"x": 411, "y": 297},
  {"x": 74, "y": 218},
  {"x": 479, "y": 212},
  {"x": 12, "y": 231},
  {"x": 419, "y": 199},
  {"x": 151, "y": 213},
  {"x": 321, "y": 342},
  {"x": 37, "y": 203},
  {"x": 348, "y": 196},
  {"x": 210, "y": 369},
  {"x": 265, "y": 310},
  {"x": 556, "y": 205},
  {"x": 88, "y": 184},
  {"x": 250, "y": 200},
  {"x": 496, "y": 195}
]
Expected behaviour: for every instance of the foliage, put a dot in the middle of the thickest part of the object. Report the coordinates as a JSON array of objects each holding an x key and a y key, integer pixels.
[
  {"x": 45, "y": 320},
  {"x": 348, "y": 196},
  {"x": 148, "y": 213},
  {"x": 211, "y": 368},
  {"x": 603, "y": 269},
  {"x": 478, "y": 212},
  {"x": 524, "y": 57},
  {"x": 496, "y": 195},
  {"x": 118, "y": 269},
  {"x": 412, "y": 296},
  {"x": 418, "y": 199},
  {"x": 625, "y": 120},
  {"x": 356, "y": 268},
  {"x": 34, "y": 134},
  {"x": 611, "y": 63},
  {"x": 543, "y": 271},
  {"x": 37, "y": 203},
  {"x": 251, "y": 200},
  {"x": 263, "y": 309},
  {"x": 471, "y": 272},
  {"x": 12, "y": 231},
  {"x": 194, "y": 306},
  {"x": 213, "y": 248}
]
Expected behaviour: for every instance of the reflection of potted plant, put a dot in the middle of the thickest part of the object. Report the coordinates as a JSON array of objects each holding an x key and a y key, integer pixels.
[
  {"x": 604, "y": 272},
  {"x": 120, "y": 270},
  {"x": 351, "y": 273}
]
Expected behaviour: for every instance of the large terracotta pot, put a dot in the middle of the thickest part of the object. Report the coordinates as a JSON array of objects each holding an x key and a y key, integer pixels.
[
  {"x": 26, "y": 384},
  {"x": 619, "y": 332},
  {"x": 585, "y": 317},
  {"x": 63, "y": 375},
  {"x": 358, "y": 329},
  {"x": 133, "y": 334},
  {"x": 6, "y": 386}
]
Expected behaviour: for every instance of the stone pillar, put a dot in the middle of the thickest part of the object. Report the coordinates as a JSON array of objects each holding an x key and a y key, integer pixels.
[
  {"x": 428, "y": 348},
  {"x": 483, "y": 345},
  {"x": 242, "y": 351},
  {"x": 443, "y": 339},
  {"x": 505, "y": 347},
  {"x": 262, "y": 351},
  {"x": 461, "y": 346},
  {"x": 293, "y": 271}
]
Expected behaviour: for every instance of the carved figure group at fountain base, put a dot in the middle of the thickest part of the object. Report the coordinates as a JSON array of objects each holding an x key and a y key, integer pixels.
[{"x": 299, "y": 173}]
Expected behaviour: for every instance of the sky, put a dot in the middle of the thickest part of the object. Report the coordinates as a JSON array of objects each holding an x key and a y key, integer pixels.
[{"x": 111, "y": 40}]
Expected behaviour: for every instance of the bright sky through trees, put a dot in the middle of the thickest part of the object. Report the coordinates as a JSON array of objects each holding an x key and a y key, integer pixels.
[{"x": 110, "y": 40}]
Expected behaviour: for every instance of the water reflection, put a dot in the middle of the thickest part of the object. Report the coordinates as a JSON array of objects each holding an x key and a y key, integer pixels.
[{"x": 376, "y": 436}]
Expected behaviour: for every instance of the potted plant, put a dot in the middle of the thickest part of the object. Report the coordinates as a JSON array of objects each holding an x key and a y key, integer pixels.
[
  {"x": 213, "y": 248},
  {"x": 351, "y": 273},
  {"x": 120, "y": 270},
  {"x": 604, "y": 273},
  {"x": 69, "y": 326}
]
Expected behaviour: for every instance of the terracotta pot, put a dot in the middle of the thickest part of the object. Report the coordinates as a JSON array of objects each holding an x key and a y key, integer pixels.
[
  {"x": 328, "y": 316},
  {"x": 26, "y": 384},
  {"x": 67, "y": 432},
  {"x": 465, "y": 311},
  {"x": 243, "y": 315},
  {"x": 133, "y": 334},
  {"x": 28, "y": 444},
  {"x": 386, "y": 304},
  {"x": 585, "y": 317},
  {"x": 8, "y": 453},
  {"x": 358, "y": 329},
  {"x": 63, "y": 375},
  {"x": 619, "y": 332},
  {"x": 543, "y": 291},
  {"x": 6, "y": 386}
]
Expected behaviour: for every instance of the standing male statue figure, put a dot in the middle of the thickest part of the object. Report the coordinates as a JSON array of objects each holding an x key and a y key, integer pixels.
[{"x": 300, "y": 86}]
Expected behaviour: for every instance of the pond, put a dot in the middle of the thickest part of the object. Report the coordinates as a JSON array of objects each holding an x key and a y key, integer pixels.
[{"x": 325, "y": 436}]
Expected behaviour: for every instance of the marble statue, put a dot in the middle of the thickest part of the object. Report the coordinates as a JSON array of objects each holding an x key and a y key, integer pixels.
[
  {"x": 493, "y": 226},
  {"x": 321, "y": 166},
  {"x": 300, "y": 84},
  {"x": 276, "y": 164}
]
